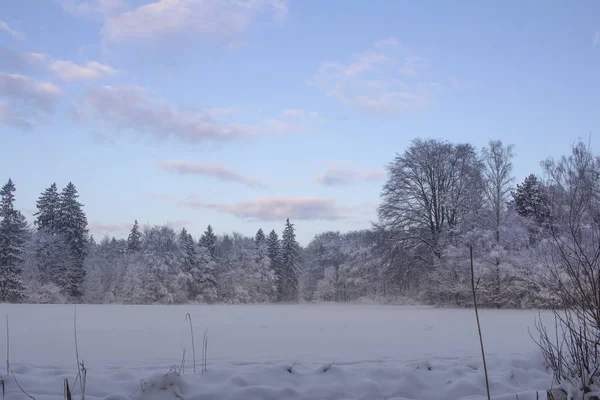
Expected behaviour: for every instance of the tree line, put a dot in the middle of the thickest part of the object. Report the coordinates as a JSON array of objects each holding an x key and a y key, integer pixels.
[{"x": 439, "y": 199}]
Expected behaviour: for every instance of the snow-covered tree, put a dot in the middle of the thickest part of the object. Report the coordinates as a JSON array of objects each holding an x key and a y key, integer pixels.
[
  {"x": 193, "y": 273},
  {"x": 48, "y": 206},
  {"x": 497, "y": 182},
  {"x": 432, "y": 188},
  {"x": 207, "y": 292},
  {"x": 209, "y": 241},
  {"x": 134, "y": 240},
  {"x": 105, "y": 268},
  {"x": 290, "y": 263},
  {"x": 72, "y": 226},
  {"x": 274, "y": 255},
  {"x": 260, "y": 239},
  {"x": 530, "y": 199},
  {"x": 162, "y": 259},
  {"x": 13, "y": 231}
]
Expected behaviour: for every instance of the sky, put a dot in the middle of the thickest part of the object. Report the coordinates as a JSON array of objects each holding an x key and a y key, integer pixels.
[{"x": 242, "y": 113}]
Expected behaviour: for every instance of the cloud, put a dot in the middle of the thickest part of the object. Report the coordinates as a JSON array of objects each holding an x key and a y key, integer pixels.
[
  {"x": 69, "y": 71},
  {"x": 41, "y": 95},
  {"x": 5, "y": 28},
  {"x": 277, "y": 208},
  {"x": 217, "y": 171},
  {"x": 22, "y": 99},
  {"x": 9, "y": 116},
  {"x": 22, "y": 63},
  {"x": 134, "y": 108},
  {"x": 293, "y": 113},
  {"x": 220, "y": 19},
  {"x": 93, "y": 8},
  {"x": 597, "y": 38},
  {"x": 412, "y": 65},
  {"x": 121, "y": 229},
  {"x": 14, "y": 61},
  {"x": 105, "y": 229},
  {"x": 381, "y": 79},
  {"x": 342, "y": 176},
  {"x": 298, "y": 113}
]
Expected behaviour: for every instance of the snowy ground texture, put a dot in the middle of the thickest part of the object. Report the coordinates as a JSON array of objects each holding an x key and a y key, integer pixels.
[{"x": 378, "y": 352}]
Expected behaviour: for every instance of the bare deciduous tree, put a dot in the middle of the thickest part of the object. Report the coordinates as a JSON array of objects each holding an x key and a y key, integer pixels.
[
  {"x": 571, "y": 256},
  {"x": 498, "y": 179},
  {"x": 431, "y": 187}
]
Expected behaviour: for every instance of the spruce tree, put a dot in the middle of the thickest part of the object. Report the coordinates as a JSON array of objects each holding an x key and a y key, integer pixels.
[
  {"x": 290, "y": 263},
  {"x": 208, "y": 254},
  {"x": 134, "y": 240},
  {"x": 260, "y": 238},
  {"x": 190, "y": 264},
  {"x": 209, "y": 240},
  {"x": 188, "y": 250},
  {"x": 72, "y": 226},
  {"x": 13, "y": 229},
  {"x": 48, "y": 210},
  {"x": 274, "y": 254},
  {"x": 260, "y": 241}
]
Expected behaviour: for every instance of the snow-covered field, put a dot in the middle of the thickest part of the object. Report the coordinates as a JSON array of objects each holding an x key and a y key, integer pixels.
[{"x": 378, "y": 352}]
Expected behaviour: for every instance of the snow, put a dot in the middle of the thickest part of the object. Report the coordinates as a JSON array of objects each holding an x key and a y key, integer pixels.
[{"x": 335, "y": 351}]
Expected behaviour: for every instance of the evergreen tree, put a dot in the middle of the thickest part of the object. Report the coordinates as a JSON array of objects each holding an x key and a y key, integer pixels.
[
  {"x": 48, "y": 206},
  {"x": 209, "y": 240},
  {"x": 530, "y": 201},
  {"x": 260, "y": 241},
  {"x": 134, "y": 240},
  {"x": 274, "y": 254},
  {"x": 290, "y": 263},
  {"x": 208, "y": 292},
  {"x": 260, "y": 238},
  {"x": 190, "y": 264},
  {"x": 72, "y": 224},
  {"x": 188, "y": 250},
  {"x": 49, "y": 247},
  {"x": 13, "y": 229}
]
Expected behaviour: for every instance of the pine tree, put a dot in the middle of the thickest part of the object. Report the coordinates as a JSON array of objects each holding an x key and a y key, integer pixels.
[
  {"x": 72, "y": 224},
  {"x": 13, "y": 229},
  {"x": 274, "y": 254},
  {"x": 209, "y": 240},
  {"x": 134, "y": 240},
  {"x": 290, "y": 263},
  {"x": 48, "y": 210},
  {"x": 530, "y": 201}
]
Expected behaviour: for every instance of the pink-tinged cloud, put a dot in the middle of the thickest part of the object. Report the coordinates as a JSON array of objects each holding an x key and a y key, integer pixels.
[
  {"x": 121, "y": 229},
  {"x": 342, "y": 176},
  {"x": 97, "y": 227},
  {"x": 91, "y": 70},
  {"x": 278, "y": 208},
  {"x": 382, "y": 79},
  {"x": 217, "y": 171},
  {"x": 39, "y": 94},
  {"x": 135, "y": 109},
  {"x": 24, "y": 101},
  {"x": 219, "y": 19}
]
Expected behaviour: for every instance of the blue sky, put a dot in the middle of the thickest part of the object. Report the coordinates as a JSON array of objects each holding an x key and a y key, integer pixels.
[{"x": 240, "y": 113}]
